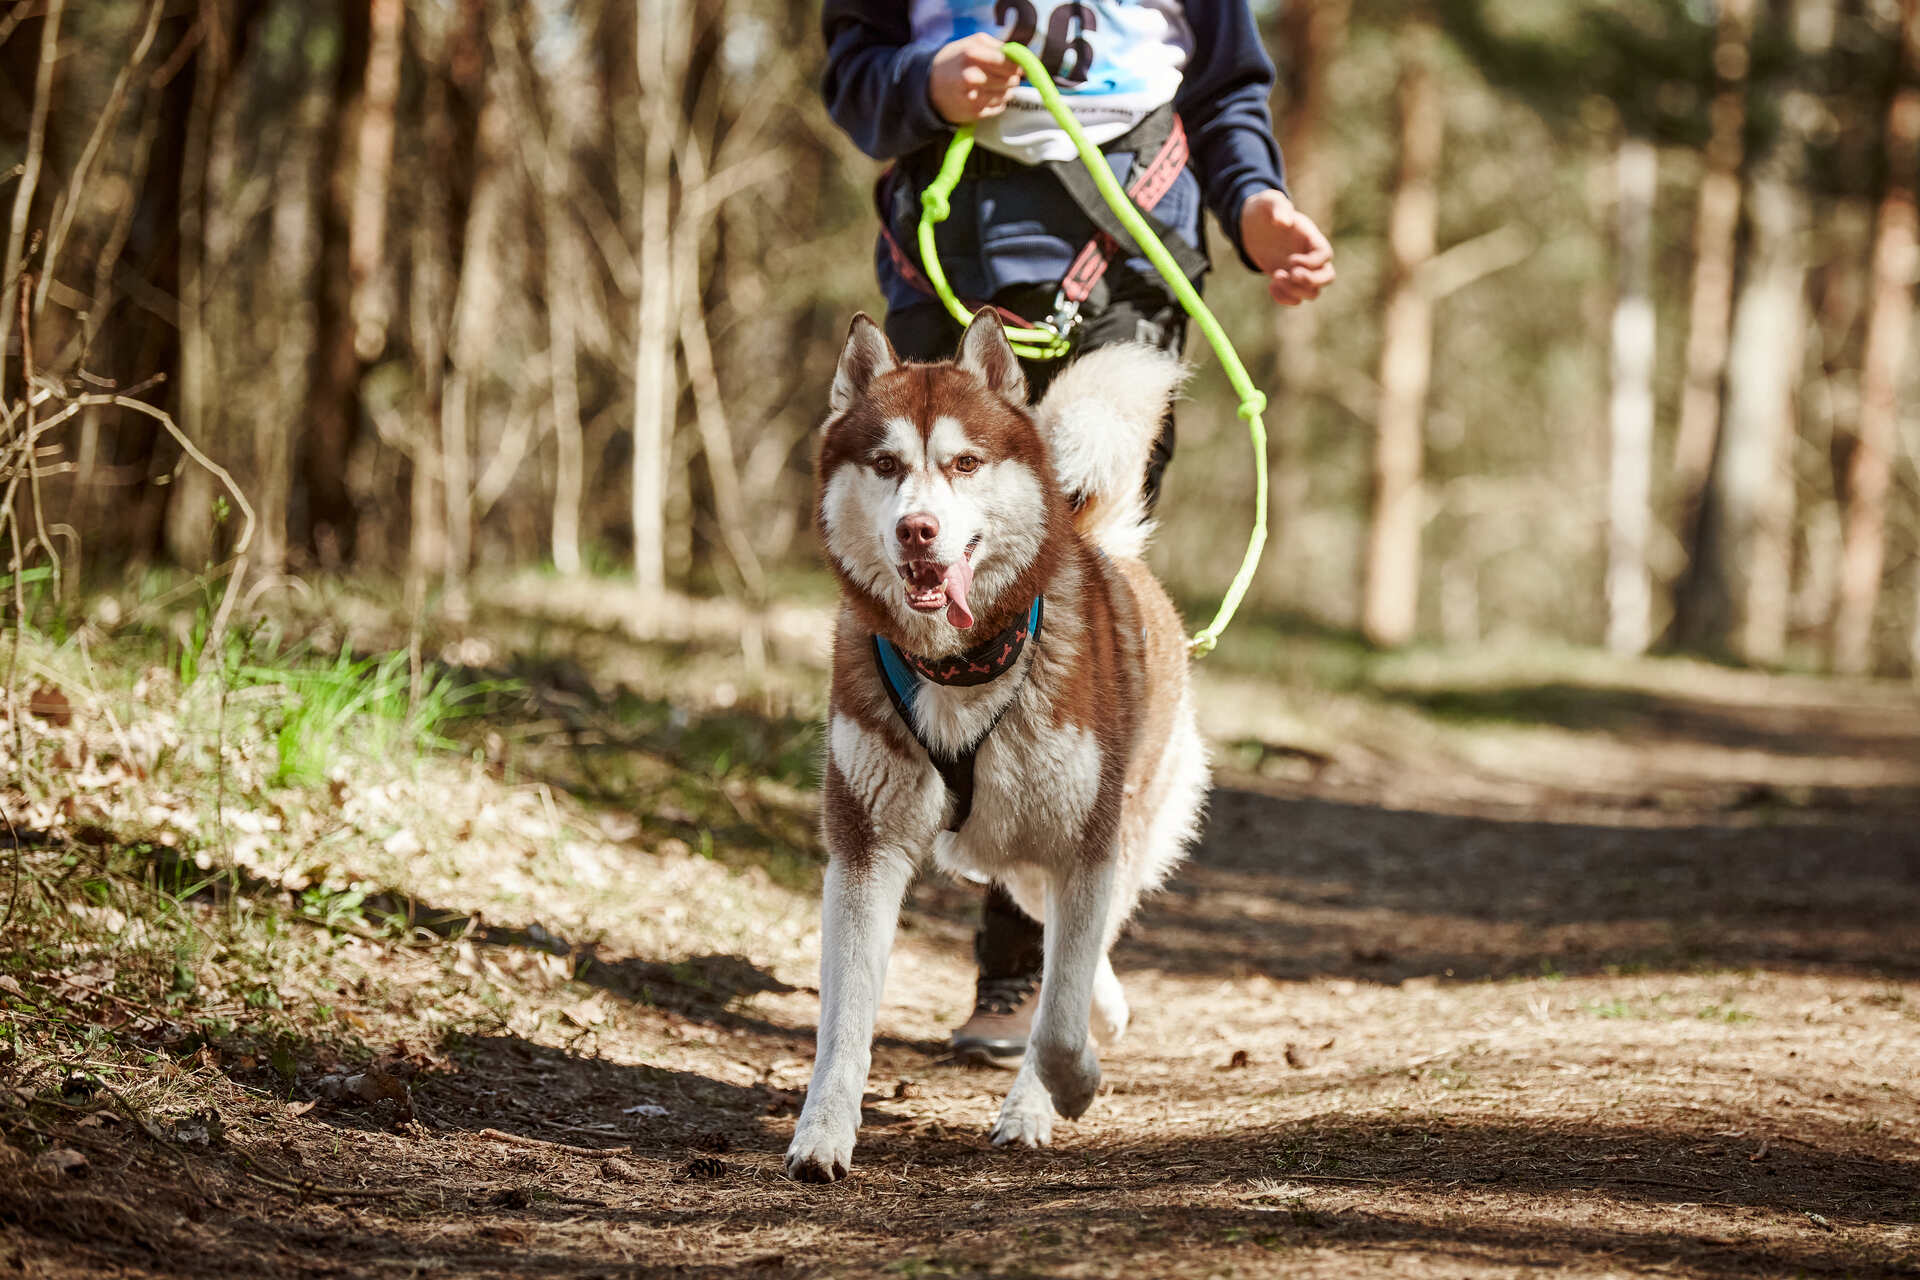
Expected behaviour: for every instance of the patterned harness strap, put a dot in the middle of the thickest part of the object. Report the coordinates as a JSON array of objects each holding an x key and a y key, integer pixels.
[{"x": 903, "y": 675}]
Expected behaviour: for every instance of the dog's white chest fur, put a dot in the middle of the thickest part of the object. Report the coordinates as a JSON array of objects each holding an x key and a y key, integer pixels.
[
  {"x": 1034, "y": 783},
  {"x": 1033, "y": 791}
]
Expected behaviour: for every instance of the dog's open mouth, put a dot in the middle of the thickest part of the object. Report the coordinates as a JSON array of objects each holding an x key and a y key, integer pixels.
[{"x": 932, "y": 586}]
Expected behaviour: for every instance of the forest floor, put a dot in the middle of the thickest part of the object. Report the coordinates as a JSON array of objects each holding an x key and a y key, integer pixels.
[{"x": 1485, "y": 966}]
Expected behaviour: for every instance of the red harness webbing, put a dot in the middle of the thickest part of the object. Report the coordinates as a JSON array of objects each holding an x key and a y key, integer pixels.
[{"x": 1149, "y": 184}]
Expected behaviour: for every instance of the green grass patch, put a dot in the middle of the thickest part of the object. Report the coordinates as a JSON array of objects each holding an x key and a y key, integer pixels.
[
  {"x": 378, "y": 699},
  {"x": 1649, "y": 1010},
  {"x": 1726, "y": 1013}
]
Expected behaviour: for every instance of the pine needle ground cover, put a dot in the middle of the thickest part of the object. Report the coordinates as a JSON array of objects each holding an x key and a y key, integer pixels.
[{"x": 333, "y": 953}]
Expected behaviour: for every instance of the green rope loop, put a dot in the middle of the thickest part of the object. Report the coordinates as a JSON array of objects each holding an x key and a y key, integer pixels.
[
  {"x": 935, "y": 206},
  {"x": 1046, "y": 344}
]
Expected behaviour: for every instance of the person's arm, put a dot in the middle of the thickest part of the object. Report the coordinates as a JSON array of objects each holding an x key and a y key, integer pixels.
[
  {"x": 1223, "y": 103},
  {"x": 876, "y": 81}
]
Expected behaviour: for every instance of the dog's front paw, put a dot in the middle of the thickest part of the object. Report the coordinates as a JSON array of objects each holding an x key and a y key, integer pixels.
[
  {"x": 1072, "y": 1077},
  {"x": 1025, "y": 1120},
  {"x": 821, "y": 1150}
]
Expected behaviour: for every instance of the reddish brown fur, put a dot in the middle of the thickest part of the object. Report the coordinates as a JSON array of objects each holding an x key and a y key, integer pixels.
[
  {"x": 848, "y": 828},
  {"x": 1101, "y": 691},
  {"x": 858, "y": 695}
]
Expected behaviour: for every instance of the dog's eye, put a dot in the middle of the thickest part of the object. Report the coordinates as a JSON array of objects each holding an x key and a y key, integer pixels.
[
  {"x": 966, "y": 464},
  {"x": 885, "y": 465}
]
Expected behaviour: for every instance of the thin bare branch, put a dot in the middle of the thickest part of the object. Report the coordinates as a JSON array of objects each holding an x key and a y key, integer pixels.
[
  {"x": 30, "y": 174},
  {"x": 238, "y": 564},
  {"x": 69, "y": 202},
  {"x": 1474, "y": 260},
  {"x": 33, "y": 454},
  {"x": 15, "y": 16},
  {"x": 716, "y": 442}
]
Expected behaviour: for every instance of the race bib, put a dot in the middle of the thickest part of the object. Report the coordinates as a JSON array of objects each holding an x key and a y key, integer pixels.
[{"x": 1115, "y": 62}]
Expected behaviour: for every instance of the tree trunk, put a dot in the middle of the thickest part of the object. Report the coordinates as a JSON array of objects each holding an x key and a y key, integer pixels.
[
  {"x": 455, "y": 95},
  {"x": 1889, "y": 319},
  {"x": 1748, "y": 547},
  {"x": 1390, "y": 606},
  {"x": 207, "y": 243},
  {"x": 1715, "y": 225},
  {"x": 135, "y": 347},
  {"x": 333, "y": 419},
  {"x": 1734, "y": 598},
  {"x": 475, "y": 306},
  {"x": 1630, "y": 474},
  {"x": 1913, "y": 634},
  {"x": 565, "y": 273},
  {"x": 189, "y": 526},
  {"x": 273, "y": 434},
  {"x": 1312, "y": 33},
  {"x": 373, "y": 179},
  {"x": 660, "y": 46},
  {"x": 447, "y": 128}
]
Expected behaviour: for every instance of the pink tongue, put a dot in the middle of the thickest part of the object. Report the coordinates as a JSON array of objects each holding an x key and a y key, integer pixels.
[{"x": 959, "y": 577}]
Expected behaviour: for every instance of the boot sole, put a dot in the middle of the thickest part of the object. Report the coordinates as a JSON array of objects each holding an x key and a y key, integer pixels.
[{"x": 981, "y": 1056}]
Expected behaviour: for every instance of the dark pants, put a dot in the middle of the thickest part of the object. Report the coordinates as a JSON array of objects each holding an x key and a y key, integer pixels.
[{"x": 1008, "y": 943}]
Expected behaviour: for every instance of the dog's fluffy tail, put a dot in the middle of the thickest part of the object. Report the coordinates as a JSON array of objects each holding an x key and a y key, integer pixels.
[{"x": 1100, "y": 417}]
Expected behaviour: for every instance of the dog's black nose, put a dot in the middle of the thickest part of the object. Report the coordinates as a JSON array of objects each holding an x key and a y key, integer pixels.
[{"x": 917, "y": 532}]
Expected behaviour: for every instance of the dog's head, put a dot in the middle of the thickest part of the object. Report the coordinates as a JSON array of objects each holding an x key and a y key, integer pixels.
[{"x": 938, "y": 505}]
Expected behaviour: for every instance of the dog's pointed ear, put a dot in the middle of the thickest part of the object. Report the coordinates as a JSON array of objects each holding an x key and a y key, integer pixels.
[
  {"x": 866, "y": 356},
  {"x": 985, "y": 353}
]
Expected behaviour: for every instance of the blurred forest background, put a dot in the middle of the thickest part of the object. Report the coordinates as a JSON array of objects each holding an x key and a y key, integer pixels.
[{"x": 426, "y": 288}]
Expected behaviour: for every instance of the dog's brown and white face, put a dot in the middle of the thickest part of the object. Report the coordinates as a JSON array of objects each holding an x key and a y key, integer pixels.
[{"x": 936, "y": 494}]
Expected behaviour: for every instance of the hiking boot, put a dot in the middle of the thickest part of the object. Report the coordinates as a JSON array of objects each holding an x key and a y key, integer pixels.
[{"x": 996, "y": 1034}]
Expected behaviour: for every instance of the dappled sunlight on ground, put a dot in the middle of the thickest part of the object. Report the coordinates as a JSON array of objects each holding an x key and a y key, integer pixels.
[{"x": 1598, "y": 968}]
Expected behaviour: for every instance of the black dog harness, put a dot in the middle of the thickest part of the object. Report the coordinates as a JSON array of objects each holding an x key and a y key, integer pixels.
[{"x": 903, "y": 675}]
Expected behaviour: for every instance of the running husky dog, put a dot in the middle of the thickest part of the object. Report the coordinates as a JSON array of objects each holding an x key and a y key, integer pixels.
[{"x": 1009, "y": 691}]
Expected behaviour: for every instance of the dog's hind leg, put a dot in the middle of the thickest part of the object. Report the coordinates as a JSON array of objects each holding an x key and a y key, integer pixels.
[
  {"x": 860, "y": 905},
  {"x": 1026, "y": 1115},
  {"x": 1061, "y": 1070},
  {"x": 1110, "y": 1012}
]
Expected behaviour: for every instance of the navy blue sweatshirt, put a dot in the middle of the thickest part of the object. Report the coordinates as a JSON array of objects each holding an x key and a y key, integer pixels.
[{"x": 1020, "y": 227}]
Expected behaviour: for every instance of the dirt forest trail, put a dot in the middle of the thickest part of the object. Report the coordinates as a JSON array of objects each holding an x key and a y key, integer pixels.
[{"x": 1599, "y": 977}]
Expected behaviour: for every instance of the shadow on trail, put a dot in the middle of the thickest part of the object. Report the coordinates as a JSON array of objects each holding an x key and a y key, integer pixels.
[
  {"x": 1153, "y": 1195},
  {"x": 707, "y": 990},
  {"x": 704, "y": 990},
  {"x": 1781, "y": 728},
  {"x": 573, "y": 1097},
  {"x": 1297, "y": 887},
  {"x": 1683, "y": 1198},
  {"x": 1302, "y": 886}
]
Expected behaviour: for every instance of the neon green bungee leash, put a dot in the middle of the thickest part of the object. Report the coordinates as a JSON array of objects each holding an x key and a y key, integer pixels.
[{"x": 1050, "y": 344}]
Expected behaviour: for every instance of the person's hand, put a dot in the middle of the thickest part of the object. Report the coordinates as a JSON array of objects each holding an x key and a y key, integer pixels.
[
  {"x": 971, "y": 79},
  {"x": 1287, "y": 247}
]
